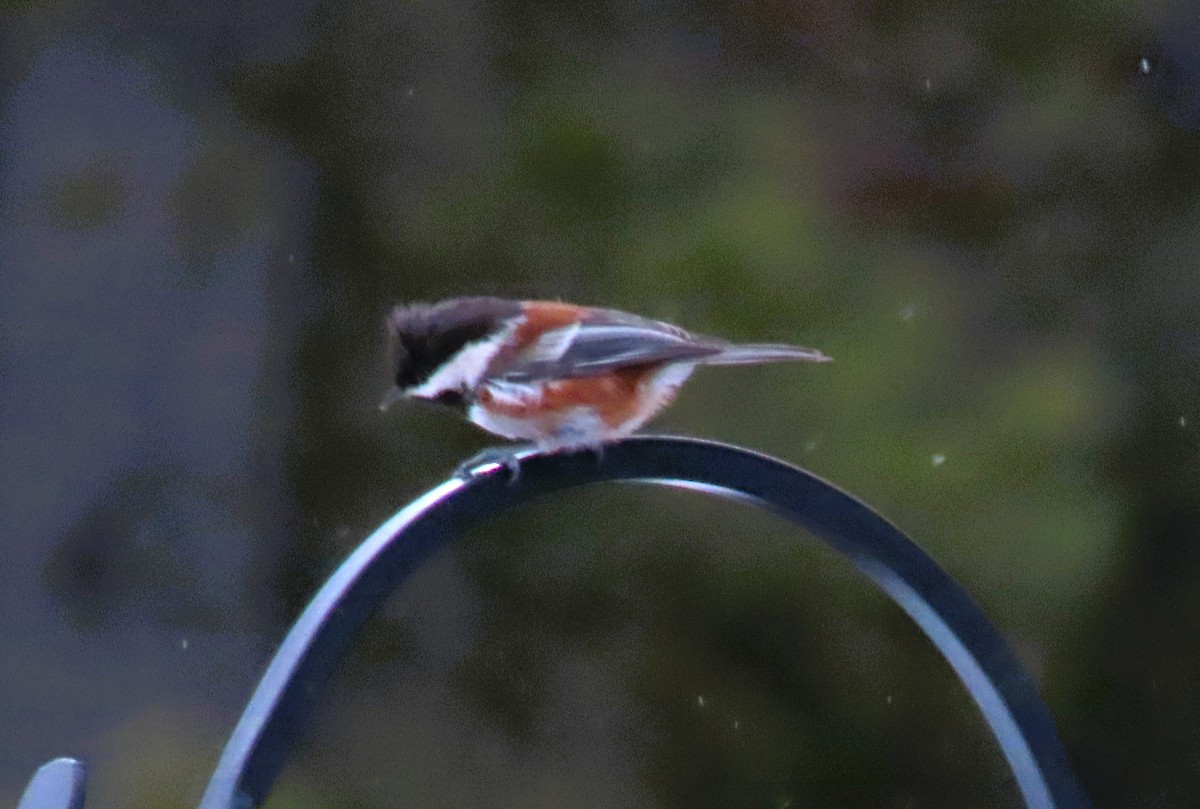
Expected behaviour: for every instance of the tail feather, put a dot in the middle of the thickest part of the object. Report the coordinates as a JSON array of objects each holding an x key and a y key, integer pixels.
[{"x": 755, "y": 353}]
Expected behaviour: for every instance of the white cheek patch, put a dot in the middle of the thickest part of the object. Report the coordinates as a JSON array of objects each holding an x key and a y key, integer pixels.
[{"x": 465, "y": 370}]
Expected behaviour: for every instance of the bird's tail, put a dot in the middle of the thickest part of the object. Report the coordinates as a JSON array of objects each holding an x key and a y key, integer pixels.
[{"x": 755, "y": 353}]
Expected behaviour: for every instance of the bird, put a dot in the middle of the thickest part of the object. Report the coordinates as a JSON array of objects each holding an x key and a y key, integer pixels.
[{"x": 561, "y": 376}]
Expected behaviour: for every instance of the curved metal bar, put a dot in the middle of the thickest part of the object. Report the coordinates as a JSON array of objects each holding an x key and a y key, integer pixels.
[
  {"x": 57, "y": 784},
  {"x": 1009, "y": 701}
]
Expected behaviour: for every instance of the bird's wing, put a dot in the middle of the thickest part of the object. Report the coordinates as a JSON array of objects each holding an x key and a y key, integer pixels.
[{"x": 598, "y": 345}]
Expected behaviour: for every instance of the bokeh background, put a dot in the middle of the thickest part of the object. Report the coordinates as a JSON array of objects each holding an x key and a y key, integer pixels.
[{"x": 988, "y": 213}]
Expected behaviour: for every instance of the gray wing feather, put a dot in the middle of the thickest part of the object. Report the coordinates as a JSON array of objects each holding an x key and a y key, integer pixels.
[{"x": 596, "y": 349}]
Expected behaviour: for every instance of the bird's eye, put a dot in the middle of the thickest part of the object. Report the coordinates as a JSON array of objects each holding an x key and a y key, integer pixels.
[{"x": 450, "y": 398}]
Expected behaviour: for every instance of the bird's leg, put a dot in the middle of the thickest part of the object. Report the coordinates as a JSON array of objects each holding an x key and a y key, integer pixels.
[
  {"x": 505, "y": 456},
  {"x": 574, "y": 438}
]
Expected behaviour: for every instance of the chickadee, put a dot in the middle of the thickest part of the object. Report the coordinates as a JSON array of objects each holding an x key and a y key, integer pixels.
[{"x": 561, "y": 376}]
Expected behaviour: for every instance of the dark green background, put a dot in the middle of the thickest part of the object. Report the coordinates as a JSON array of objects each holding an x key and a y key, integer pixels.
[{"x": 988, "y": 213}]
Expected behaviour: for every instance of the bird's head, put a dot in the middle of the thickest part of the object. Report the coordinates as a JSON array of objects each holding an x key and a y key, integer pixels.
[{"x": 440, "y": 350}]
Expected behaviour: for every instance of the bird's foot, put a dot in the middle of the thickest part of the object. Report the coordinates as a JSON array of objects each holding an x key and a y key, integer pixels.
[
  {"x": 507, "y": 457},
  {"x": 504, "y": 456}
]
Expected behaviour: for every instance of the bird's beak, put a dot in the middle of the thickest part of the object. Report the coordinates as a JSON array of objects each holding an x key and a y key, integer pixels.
[{"x": 390, "y": 398}]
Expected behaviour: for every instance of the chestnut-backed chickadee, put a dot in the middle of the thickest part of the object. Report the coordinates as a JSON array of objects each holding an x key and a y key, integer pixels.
[{"x": 561, "y": 376}]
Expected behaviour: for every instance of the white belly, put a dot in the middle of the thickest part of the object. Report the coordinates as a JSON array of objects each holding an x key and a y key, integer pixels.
[{"x": 575, "y": 429}]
